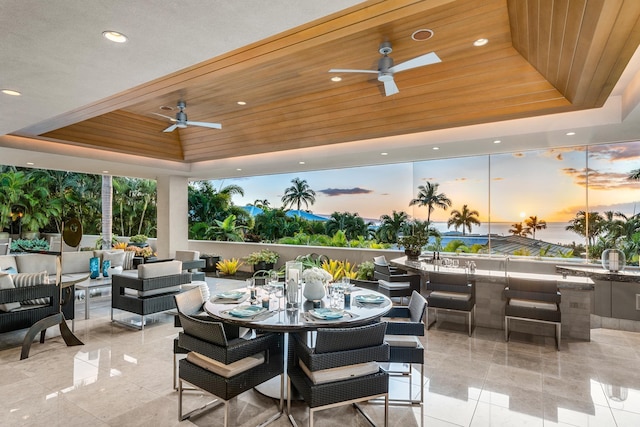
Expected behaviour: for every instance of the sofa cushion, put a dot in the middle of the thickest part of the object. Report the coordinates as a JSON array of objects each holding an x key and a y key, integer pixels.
[
  {"x": 159, "y": 269},
  {"x": 76, "y": 262},
  {"x": 152, "y": 292},
  {"x": 187, "y": 255},
  {"x": 116, "y": 257},
  {"x": 22, "y": 280},
  {"x": 34, "y": 263},
  {"x": 7, "y": 283},
  {"x": 340, "y": 373}
]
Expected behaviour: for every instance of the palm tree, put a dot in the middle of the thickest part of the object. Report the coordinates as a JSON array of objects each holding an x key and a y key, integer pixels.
[
  {"x": 535, "y": 224},
  {"x": 226, "y": 230},
  {"x": 635, "y": 174},
  {"x": 107, "y": 211},
  {"x": 586, "y": 225},
  {"x": 428, "y": 196},
  {"x": 391, "y": 225},
  {"x": 298, "y": 193},
  {"x": 464, "y": 218},
  {"x": 517, "y": 229}
]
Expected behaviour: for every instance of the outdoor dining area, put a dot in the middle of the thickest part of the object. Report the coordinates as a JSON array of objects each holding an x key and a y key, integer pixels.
[{"x": 299, "y": 346}]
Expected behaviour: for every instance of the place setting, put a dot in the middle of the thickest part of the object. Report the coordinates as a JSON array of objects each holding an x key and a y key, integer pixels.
[
  {"x": 327, "y": 315},
  {"x": 246, "y": 312},
  {"x": 370, "y": 300},
  {"x": 230, "y": 297}
]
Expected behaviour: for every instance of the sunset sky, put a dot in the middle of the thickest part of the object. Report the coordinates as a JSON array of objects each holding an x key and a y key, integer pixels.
[{"x": 550, "y": 184}]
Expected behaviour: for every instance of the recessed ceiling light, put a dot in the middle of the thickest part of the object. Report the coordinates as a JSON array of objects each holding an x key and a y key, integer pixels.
[
  {"x": 480, "y": 42},
  {"x": 114, "y": 36},
  {"x": 30, "y": 163},
  {"x": 436, "y": 148},
  {"x": 11, "y": 92},
  {"x": 570, "y": 133},
  {"x": 383, "y": 154},
  {"x": 241, "y": 103},
  {"x": 301, "y": 163},
  {"x": 105, "y": 172},
  {"x": 239, "y": 169},
  {"x": 497, "y": 141},
  {"x": 336, "y": 79},
  {"x": 422, "y": 34}
]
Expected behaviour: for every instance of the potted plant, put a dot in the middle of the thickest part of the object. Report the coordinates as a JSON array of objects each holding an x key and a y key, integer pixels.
[
  {"x": 414, "y": 242},
  {"x": 210, "y": 261},
  {"x": 139, "y": 240},
  {"x": 264, "y": 259}
]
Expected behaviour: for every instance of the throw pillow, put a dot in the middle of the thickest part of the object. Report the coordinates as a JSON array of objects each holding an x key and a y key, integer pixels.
[
  {"x": 10, "y": 270},
  {"x": 7, "y": 283},
  {"x": 22, "y": 280},
  {"x": 116, "y": 258},
  {"x": 127, "y": 264}
]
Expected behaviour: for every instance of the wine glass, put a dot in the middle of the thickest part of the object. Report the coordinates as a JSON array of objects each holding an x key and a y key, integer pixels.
[{"x": 280, "y": 295}]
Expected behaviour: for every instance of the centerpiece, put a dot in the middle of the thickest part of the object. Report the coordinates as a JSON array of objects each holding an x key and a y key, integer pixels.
[{"x": 315, "y": 280}]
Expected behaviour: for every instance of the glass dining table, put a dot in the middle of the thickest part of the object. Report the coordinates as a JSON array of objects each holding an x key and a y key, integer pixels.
[{"x": 236, "y": 307}]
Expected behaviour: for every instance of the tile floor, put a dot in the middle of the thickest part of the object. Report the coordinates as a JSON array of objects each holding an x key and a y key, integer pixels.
[{"x": 122, "y": 377}]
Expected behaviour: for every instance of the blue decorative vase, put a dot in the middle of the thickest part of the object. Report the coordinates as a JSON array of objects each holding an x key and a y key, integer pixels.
[
  {"x": 94, "y": 267},
  {"x": 105, "y": 267}
]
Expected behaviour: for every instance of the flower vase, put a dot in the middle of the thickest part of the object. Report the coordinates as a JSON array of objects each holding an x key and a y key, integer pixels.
[
  {"x": 105, "y": 267},
  {"x": 313, "y": 290},
  {"x": 94, "y": 267}
]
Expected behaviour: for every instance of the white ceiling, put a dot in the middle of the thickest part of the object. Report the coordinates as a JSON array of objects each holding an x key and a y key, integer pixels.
[{"x": 53, "y": 52}]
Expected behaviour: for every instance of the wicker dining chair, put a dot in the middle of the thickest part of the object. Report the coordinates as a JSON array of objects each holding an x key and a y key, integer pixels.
[
  {"x": 404, "y": 325},
  {"x": 341, "y": 369},
  {"x": 225, "y": 367}
]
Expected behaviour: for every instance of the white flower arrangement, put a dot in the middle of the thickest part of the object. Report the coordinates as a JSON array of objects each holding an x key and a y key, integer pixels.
[{"x": 316, "y": 274}]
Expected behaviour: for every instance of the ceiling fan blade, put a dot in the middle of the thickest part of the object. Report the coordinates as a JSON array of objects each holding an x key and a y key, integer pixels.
[
  {"x": 341, "y": 70},
  {"x": 427, "y": 59},
  {"x": 166, "y": 117},
  {"x": 390, "y": 88},
  {"x": 205, "y": 124},
  {"x": 170, "y": 128}
]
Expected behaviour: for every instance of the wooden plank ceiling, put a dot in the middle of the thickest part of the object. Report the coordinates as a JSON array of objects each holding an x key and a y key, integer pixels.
[{"x": 543, "y": 57}]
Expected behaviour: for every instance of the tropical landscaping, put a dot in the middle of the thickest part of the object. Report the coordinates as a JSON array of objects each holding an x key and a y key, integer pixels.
[{"x": 34, "y": 200}]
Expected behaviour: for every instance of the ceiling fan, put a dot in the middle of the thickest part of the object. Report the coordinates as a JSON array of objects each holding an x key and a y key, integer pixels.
[
  {"x": 386, "y": 69},
  {"x": 182, "y": 122}
]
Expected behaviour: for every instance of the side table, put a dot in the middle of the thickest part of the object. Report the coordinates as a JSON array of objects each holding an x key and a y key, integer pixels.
[{"x": 87, "y": 285}]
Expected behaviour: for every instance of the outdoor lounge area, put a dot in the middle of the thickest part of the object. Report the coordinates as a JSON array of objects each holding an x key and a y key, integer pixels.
[{"x": 477, "y": 380}]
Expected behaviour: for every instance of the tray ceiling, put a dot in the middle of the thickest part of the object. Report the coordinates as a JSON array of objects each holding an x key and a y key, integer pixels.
[{"x": 543, "y": 57}]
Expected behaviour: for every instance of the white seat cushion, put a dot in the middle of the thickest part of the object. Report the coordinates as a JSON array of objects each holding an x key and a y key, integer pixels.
[
  {"x": 451, "y": 295},
  {"x": 152, "y": 292},
  {"x": 527, "y": 303},
  {"x": 402, "y": 341},
  {"x": 223, "y": 370},
  {"x": 340, "y": 373},
  {"x": 394, "y": 285},
  {"x": 159, "y": 269}
]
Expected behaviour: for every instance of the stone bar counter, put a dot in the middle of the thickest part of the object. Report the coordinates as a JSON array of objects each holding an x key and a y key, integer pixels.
[
  {"x": 616, "y": 301},
  {"x": 492, "y": 277}
]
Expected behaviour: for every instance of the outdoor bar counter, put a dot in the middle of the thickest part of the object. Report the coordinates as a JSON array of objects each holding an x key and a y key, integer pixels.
[{"x": 576, "y": 304}]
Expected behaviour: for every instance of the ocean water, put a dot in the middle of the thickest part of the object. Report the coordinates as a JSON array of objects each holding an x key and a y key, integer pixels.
[{"x": 554, "y": 233}]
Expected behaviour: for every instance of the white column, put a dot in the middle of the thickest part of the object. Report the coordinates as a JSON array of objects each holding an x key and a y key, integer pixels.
[{"x": 173, "y": 224}]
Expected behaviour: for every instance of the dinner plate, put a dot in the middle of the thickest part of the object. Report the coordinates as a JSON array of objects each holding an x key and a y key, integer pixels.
[
  {"x": 246, "y": 311},
  {"x": 230, "y": 295},
  {"x": 370, "y": 299},
  {"x": 327, "y": 313}
]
